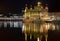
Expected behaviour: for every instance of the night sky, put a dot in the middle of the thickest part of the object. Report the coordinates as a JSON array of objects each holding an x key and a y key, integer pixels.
[
  {"x": 16, "y": 6},
  {"x": 54, "y": 5}
]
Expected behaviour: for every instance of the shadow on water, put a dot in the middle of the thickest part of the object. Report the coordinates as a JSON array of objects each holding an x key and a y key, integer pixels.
[
  {"x": 54, "y": 35},
  {"x": 10, "y": 34}
]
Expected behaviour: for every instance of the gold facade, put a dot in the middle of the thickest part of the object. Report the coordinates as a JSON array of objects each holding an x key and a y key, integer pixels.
[{"x": 35, "y": 13}]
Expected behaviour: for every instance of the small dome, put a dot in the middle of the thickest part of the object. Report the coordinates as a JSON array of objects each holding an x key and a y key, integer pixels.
[
  {"x": 31, "y": 7},
  {"x": 26, "y": 6},
  {"x": 46, "y": 7},
  {"x": 42, "y": 7},
  {"x": 39, "y": 3}
]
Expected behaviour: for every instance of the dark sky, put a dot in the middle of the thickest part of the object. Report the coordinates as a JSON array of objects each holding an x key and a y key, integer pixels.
[
  {"x": 54, "y": 5},
  {"x": 16, "y": 6},
  {"x": 11, "y": 5}
]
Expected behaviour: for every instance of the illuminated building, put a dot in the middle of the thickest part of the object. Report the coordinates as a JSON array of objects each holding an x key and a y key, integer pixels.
[{"x": 36, "y": 13}]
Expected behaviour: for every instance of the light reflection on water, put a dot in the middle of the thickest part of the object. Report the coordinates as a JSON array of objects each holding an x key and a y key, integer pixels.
[
  {"x": 39, "y": 27},
  {"x": 33, "y": 30},
  {"x": 11, "y": 24},
  {"x": 38, "y": 30}
]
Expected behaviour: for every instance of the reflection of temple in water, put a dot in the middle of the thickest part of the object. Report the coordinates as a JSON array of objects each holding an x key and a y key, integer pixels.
[
  {"x": 10, "y": 24},
  {"x": 38, "y": 30},
  {"x": 11, "y": 21}
]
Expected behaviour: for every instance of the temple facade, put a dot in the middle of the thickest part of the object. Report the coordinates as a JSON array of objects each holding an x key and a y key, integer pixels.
[{"x": 36, "y": 13}]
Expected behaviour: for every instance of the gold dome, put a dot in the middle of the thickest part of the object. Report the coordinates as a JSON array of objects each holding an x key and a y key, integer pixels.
[
  {"x": 26, "y": 8},
  {"x": 31, "y": 7},
  {"x": 39, "y": 3}
]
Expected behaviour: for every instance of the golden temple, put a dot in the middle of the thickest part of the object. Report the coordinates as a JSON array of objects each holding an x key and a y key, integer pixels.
[{"x": 37, "y": 13}]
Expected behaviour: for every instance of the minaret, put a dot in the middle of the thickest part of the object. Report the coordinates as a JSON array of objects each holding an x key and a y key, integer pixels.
[
  {"x": 31, "y": 7},
  {"x": 26, "y": 8},
  {"x": 30, "y": 11}
]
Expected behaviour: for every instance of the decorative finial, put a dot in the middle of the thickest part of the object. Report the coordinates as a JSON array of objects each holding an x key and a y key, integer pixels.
[
  {"x": 26, "y": 8},
  {"x": 46, "y": 7},
  {"x": 26, "y": 5},
  {"x": 31, "y": 7},
  {"x": 39, "y": 3}
]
